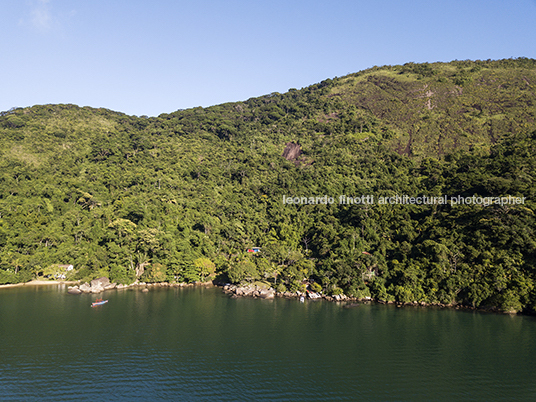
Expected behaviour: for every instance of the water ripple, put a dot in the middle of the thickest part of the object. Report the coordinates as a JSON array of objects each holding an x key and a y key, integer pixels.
[{"x": 193, "y": 345}]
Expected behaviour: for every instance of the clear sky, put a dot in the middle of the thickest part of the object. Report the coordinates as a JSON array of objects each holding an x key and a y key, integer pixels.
[{"x": 152, "y": 57}]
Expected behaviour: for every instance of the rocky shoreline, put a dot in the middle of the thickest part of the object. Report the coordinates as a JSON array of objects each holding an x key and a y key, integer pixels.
[
  {"x": 103, "y": 284},
  {"x": 264, "y": 292},
  {"x": 100, "y": 285},
  {"x": 269, "y": 293}
]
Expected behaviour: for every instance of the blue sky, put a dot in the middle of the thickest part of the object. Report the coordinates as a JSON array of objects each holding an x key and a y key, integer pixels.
[{"x": 152, "y": 57}]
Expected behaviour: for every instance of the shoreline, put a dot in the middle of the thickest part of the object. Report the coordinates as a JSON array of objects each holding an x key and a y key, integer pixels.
[
  {"x": 346, "y": 300},
  {"x": 349, "y": 302},
  {"x": 37, "y": 282}
]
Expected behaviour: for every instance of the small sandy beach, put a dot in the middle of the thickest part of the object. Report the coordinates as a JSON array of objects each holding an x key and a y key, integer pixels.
[{"x": 39, "y": 282}]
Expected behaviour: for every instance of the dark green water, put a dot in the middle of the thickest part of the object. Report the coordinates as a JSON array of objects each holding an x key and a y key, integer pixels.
[{"x": 199, "y": 344}]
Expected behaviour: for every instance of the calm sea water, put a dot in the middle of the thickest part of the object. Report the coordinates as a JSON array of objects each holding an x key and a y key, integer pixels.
[{"x": 199, "y": 344}]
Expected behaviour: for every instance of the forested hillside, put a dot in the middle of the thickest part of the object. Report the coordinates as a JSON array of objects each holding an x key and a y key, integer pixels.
[{"x": 182, "y": 196}]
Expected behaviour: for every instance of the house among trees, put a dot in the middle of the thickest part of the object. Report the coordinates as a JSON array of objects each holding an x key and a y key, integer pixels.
[
  {"x": 254, "y": 250},
  {"x": 57, "y": 271}
]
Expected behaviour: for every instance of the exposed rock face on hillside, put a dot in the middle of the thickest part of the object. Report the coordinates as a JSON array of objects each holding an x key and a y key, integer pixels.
[
  {"x": 434, "y": 109},
  {"x": 292, "y": 151}
]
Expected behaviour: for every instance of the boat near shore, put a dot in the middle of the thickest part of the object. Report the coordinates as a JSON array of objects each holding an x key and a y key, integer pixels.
[{"x": 98, "y": 302}]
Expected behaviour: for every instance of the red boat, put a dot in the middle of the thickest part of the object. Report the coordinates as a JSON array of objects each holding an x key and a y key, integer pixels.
[{"x": 98, "y": 302}]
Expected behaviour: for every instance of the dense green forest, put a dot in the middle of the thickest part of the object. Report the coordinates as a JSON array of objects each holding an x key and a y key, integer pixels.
[{"x": 182, "y": 196}]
